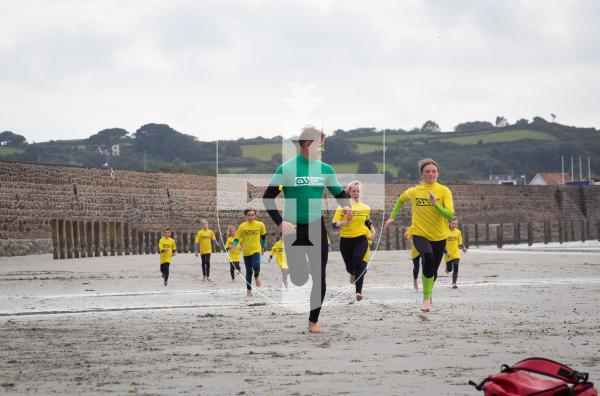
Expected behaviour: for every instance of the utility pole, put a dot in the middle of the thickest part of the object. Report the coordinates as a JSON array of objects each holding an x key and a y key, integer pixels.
[{"x": 562, "y": 168}]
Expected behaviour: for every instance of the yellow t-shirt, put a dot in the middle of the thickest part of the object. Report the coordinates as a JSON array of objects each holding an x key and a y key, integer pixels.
[
  {"x": 204, "y": 238},
  {"x": 453, "y": 242},
  {"x": 356, "y": 227},
  {"x": 427, "y": 221},
  {"x": 234, "y": 251},
  {"x": 278, "y": 251},
  {"x": 370, "y": 242},
  {"x": 248, "y": 234},
  {"x": 167, "y": 244}
]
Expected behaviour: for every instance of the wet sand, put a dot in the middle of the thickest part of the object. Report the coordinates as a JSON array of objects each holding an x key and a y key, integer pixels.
[{"x": 108, "y": 325}]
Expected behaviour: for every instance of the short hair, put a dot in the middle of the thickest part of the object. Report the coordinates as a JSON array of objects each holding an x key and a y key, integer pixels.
[
  {"x": 203, "y": 221},
  {"x": 427, "y": 161},
  {"x": 166, "y": 229},
  {"x": 310, "y": 133},
  {"x": 246, "y": 211}
]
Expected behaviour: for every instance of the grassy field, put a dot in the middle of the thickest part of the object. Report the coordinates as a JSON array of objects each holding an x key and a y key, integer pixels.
[
  {"x": 369, "y": 142},
  {"x": 263, "y": 152},
  {"x": 232, "y": 169},
  {"x": 10, "y": 150},
  {"x": 351, "y": 167},
  {"x": 366, "y": 148},
  {"x": 500, "y": 137}
]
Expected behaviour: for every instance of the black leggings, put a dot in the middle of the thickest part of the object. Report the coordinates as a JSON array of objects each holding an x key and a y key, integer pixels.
[
  {"x": 431, "y": 253},
  {"x": 234, "y": 265},
  {"x": 205, "y": 264},
  {"x": 353, "y": 251},
  {"x": 309, "y": 241},
  {"x": 416, "y": 266},
  {"x": 164, "y": 268},
  {"x": 452, "y": 266}
]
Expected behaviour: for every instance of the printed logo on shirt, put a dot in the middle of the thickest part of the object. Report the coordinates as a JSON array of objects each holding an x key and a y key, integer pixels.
[
  {"x": 310, "y": 181},
  {"x": 422, "y": 201},
  {"x": 251, "y": 232}
]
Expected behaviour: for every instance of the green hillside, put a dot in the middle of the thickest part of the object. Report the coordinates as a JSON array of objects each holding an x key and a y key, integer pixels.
[{"x": 481, "y": 149}]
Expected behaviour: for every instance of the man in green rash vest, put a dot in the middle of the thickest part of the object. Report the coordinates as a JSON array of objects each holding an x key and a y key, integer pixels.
[{"x": 302, "y": 180}]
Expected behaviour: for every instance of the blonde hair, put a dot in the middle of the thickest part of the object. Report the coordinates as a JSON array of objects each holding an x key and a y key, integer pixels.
[
  {"x": 310, "y": 133},
  {"x": 427, "y": 161},
  {"x": 203, "y": 221},
  {"x": 352, "y": 184},
  {"x": 230, "y": 229}
]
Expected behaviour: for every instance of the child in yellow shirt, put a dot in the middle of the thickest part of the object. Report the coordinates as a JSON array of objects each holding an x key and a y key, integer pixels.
[
  {"x": 277, "y": 250},
  {"x": 203, "y": 243},
  {"x": 454, "y": 244},
  {"x": 233, "y": 252},
  {"x": 252, "y": 235},
  {"x": 167, "y": 249}
]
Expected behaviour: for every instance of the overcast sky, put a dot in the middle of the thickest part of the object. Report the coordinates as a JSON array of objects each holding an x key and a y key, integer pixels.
[{"x": 220, "y": 68}]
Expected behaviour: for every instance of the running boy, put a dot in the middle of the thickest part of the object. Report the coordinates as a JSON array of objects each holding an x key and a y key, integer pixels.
[
  {"x": 252, "y": 234},
  {"x": 278, "y": 252},
  {"x": 363, "y": 269},
  {"x": 416, "y": 258},
  {"x": 203, "y": 243},
  {"x": 233, "y": 253},
  {"x": 167, "y": 249},
  {"x": 454, "y": 244}
]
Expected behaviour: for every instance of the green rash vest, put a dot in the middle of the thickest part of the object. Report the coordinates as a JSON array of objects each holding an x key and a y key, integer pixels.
[{"x": 302, "y": 182}]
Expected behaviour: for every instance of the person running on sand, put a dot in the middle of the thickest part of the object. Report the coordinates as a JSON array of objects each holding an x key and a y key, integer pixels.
[
  {"x": 167, "y": 249},
  {"x": 416, "y": 258},
  {"x": 454, "y": 244},
  {"x": 252, "y": 235},
  {"x": 203, "y": 243},
  {"x": 302, "y": 180},
  {"x": 432, "y": 208},
  {"x": 365, "y": 264},
  {"x": 353, "y": 235},
  {"x": 233, "y": 253},
  {"x": 277, "y": 250}
]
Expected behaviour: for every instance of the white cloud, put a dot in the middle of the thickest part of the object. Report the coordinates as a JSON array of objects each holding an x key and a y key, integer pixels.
[{"x": 71, "y": 68}]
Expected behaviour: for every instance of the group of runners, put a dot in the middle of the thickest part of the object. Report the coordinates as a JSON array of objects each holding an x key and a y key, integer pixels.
[{"x": 303, "y": 247}]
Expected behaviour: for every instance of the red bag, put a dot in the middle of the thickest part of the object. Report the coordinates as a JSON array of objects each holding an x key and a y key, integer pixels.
[{"x": 524, "y": 379}]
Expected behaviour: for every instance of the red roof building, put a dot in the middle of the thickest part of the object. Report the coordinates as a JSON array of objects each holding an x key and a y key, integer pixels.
[{"x": 550, "y": 179}]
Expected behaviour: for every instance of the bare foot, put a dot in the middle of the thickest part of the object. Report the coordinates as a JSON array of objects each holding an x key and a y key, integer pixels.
[
  {"x": 248, "y": 293},
  {"x": 415, "y": 284},
  {"x": 257, "y": 281},
  {"x": 209, "y": 280},
  {"x": 315, "y": 328},
  {"x": 426, "y": 305},
  {"x": 359, "y": 296},
  {"x": 352, "y": 278},
  {"x": 203, "y": 278}
]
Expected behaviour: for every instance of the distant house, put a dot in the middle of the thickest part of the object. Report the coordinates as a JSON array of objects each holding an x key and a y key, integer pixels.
[
  {"x": 550, "y": 179},
  {"x": 501, "y": 179}
]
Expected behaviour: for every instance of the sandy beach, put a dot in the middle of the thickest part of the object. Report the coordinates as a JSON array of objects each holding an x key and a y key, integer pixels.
[{"x": 108, "y": 325}]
